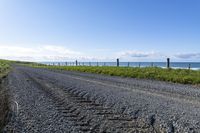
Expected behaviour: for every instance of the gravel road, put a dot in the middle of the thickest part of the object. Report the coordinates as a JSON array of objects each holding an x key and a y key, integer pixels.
[{"x": 60, "y": 101}]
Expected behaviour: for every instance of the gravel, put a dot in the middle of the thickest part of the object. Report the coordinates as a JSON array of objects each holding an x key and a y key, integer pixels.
[
  {"x": 64, "y": 101},
  {"x": 4, "y": 103}
]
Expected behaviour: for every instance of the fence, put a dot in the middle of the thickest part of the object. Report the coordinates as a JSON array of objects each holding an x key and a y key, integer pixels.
[{"x": 166, "y": 64}]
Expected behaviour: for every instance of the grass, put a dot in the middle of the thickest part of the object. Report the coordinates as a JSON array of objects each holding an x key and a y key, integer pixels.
[
  {"x": 182, "y": 76},
  {"x": 4, "y": 68},
  {"x": 4, "y": 106}
]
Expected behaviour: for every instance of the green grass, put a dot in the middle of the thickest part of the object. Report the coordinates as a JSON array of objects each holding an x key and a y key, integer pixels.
[
  {"x": 4, "y": 67},
  {"x": 171, "y": 75},
  {"x": 4, "y": 104}
]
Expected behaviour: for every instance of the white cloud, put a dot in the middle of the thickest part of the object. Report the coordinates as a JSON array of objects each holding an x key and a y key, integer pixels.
[
  {"x": 46, "y": 53},
  {"x": 61, "y": 53},
  {"x": 136, "y": 54},
  {"x": 38, "y": 53},
  {"x": 188, "y": 55},
  {"x": 139, "y": 54}
]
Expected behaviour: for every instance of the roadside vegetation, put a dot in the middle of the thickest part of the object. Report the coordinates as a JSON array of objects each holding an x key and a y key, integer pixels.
[
  {"x": 182, "y": 76},
  {"x": 4, "y": 68},
  {"x": 4, "y": 106}
]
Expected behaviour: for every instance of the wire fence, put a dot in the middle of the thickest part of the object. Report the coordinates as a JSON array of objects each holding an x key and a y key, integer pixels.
[{"x": 167, "y": 64}]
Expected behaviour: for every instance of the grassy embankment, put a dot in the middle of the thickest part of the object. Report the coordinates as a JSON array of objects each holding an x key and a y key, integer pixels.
[
  {"x": 182, "y": 76},
  {"x": 4, "y": 106}
]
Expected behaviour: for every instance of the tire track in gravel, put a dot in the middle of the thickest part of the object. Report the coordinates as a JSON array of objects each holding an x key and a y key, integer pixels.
[
  {"x": 138, "y": 89},
  {"x": 33, "y": 113},
  {"x": 97, "y": 103},
  {"x": 88, "y": 116},
  {"x": 183, "y": 92},
  {"x": 166, "y": 95}
]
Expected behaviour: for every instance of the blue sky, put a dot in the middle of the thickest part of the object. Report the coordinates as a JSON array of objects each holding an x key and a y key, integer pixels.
[{"x": 103, "y": 30}]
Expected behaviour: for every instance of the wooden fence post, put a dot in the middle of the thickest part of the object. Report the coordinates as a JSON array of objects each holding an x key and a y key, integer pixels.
[
  {"x": 76, "y": 63},
  {"x": 128, "y": 64},
  {"x": 168, "y": 63},
  {"x": 117, "y": 62},
  {"x": 151, "y": 64},
  {"x": 189, "y": 66}
]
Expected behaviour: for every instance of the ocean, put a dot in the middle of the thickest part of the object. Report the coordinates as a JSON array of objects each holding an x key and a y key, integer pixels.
[{"x": 175, "y": 65}]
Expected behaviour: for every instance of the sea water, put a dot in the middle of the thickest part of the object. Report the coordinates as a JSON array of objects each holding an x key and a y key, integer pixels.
[{"x": 175, "y": 65}]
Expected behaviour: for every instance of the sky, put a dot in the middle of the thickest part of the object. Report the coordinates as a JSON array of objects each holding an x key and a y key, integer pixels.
[{"x": 100, "y": 30}]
